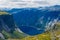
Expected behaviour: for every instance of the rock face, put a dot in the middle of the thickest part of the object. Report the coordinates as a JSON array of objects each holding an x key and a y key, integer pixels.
[
  {"x": 8, "y": 28},
  {"x": 7, "y": 23}
]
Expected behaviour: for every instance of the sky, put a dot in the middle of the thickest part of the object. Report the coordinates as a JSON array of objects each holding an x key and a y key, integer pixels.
[{"x": 27, "y": 3}]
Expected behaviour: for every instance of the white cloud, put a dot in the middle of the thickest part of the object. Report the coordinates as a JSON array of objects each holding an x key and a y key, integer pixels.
[{"x": 27, "y": 3}]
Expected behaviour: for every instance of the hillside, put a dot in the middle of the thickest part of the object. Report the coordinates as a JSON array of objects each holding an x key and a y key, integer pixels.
[
  {"x": 8, "y": 28},
  {"x": 47, "y": 35},
  {"x": 30, "y": 23}
]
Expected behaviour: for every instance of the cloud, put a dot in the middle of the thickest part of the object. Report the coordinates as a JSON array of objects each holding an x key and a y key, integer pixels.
[{"x": 27, "y": 3}]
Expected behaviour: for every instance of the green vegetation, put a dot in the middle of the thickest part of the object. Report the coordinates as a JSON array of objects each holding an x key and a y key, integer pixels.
[
  {"x": 18, "y": 35},
  {"x": 6, "y": 34},
  {"x": 2, "y": 13},
  {"x": 13, "y": 35}
]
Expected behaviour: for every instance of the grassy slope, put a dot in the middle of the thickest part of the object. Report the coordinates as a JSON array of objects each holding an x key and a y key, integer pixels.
[
  {"x": 14, "y": 35},
  {"x": 2, "y": 13}
]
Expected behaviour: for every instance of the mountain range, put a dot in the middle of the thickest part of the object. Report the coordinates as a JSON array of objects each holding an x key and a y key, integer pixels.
[{"x": 31, "y": 21}]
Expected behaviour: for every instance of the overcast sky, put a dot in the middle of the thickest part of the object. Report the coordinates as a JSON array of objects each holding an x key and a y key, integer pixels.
[{"x": 27, "y": 3}]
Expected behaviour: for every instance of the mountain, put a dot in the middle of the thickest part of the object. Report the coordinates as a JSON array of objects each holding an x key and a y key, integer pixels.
[
  {"x": 7, "y": 22},
  {"x": 8, "y": 28},
  {"x": 35, "y": 18}
]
